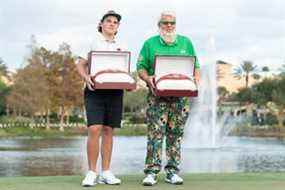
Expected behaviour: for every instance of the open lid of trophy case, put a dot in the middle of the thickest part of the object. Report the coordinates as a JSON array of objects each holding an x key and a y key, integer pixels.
[
  {"x": 174, "y": 76},
  {"x": 111, "y": 70}
]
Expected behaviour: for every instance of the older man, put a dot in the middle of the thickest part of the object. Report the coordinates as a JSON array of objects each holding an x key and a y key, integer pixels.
[{"x": 166, "y": 116}]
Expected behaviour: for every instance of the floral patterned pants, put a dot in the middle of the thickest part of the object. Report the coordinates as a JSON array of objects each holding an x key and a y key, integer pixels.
[{"x": 166, "y": 117}]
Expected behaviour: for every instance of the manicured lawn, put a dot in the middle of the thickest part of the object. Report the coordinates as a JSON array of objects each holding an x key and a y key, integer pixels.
[
  {"x": 236, "y": 181},
  {"x": 23, "y": 131}
]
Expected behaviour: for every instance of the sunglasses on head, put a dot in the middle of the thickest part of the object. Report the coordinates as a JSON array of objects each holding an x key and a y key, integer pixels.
[{"x": 168, "y": 22}]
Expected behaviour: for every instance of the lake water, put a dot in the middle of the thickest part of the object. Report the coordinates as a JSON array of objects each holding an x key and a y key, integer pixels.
[{"x": 40, "y": 157}]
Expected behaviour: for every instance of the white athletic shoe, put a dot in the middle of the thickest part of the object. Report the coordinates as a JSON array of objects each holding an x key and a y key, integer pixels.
[
  {"x": 107, "y": 177},
  {"x": 174, "y": 179},
  {"x": 149, "y": 180},
  {"x": 90, "y": 179}
]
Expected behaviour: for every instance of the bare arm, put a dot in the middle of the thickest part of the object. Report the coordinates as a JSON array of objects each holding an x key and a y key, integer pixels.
[
  {"x": 82, "y": 68},
  {"x": 197, "y": 76},
  {"x": 147, "y": 79}
]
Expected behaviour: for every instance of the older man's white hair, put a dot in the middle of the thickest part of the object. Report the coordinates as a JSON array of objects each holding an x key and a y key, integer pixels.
[{"x": 167, "y": 13}]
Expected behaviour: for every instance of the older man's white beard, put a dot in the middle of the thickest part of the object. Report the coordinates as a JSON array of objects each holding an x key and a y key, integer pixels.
[{"x": 168, "y": 37}]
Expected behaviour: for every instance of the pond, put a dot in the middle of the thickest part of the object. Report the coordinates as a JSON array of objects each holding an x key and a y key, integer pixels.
[{"x": 41, "y": 157}]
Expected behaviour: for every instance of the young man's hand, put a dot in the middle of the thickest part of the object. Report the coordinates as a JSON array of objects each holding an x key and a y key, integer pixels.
[{"x": 89, "y": 82}]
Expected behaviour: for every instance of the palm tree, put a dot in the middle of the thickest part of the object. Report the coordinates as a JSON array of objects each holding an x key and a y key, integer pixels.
[
  {"x": 223, "y": 93},
  {"x": 244, "y": 70}
]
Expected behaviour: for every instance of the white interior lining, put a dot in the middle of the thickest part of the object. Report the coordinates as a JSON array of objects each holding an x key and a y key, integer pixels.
[
  {"x": 102, "y": 61},
  {"x": 176, "y": 85},
  {"x": 114, "y": 77}
]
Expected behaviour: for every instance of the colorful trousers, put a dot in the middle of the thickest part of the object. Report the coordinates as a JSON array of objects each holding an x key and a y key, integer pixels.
[{"x": 166, "y": 117}]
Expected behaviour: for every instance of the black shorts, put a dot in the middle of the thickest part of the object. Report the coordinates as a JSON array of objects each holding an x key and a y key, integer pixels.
[{"x": 104, "y": 107}]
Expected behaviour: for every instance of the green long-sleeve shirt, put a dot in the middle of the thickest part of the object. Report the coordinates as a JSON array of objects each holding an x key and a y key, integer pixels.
[{"x": 156, "y": 46}]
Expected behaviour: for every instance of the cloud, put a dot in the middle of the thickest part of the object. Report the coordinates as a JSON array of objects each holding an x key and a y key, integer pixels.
[
  {"x": 273, "y": 10},
  {"x": 241, "y": 29}
]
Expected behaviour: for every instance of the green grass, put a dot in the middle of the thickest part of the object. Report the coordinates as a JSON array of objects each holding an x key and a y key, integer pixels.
[
  {"x": 127, "y": 130},
  {"x": 132, "y": 130},
  {"x": 236, "y": 181},
  {"x": 40, "y": 132},
  {"x": 17, "y": 149}
]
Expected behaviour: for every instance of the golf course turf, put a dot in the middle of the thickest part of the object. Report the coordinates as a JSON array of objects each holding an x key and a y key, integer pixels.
[{"x": 233, "y": 181}]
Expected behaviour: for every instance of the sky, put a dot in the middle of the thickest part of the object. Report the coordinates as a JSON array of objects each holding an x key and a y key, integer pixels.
[{"x": 229, "y": 30}]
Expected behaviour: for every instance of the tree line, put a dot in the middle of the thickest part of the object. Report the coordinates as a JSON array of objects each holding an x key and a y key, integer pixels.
[
  {"x": 268, "y": 93},
  {"x": 48, "y": 84}
]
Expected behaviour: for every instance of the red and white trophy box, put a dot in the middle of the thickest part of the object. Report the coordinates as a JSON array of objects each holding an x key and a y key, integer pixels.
[
  {"x": 174, "y": 76},
  {"x": 111, "y": 70}
]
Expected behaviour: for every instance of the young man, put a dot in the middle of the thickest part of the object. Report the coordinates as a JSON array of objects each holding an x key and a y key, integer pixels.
[
  {"x": 103, "y": 107},
  {"x": 165, "y": 116}
]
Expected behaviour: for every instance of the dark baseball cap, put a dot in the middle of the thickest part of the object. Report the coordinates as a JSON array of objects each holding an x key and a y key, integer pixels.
[{"x": 111, "y": 13}]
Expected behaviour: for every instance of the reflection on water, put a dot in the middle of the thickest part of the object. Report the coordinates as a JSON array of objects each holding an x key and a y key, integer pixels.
[{"x": 68, "y": 156}]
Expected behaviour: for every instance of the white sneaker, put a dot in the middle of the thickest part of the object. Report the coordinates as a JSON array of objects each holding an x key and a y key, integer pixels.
[
  {"x": 174, "y": 179},
  {"x": 149, "y": 180},
  {"x": 90, "y": 179},
  {"x": 109, "y": 178}
]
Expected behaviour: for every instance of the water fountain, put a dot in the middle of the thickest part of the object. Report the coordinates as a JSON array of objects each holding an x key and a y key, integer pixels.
[
  {"x": 206, "y": 140},
  {"x": 201, "y": 127}
]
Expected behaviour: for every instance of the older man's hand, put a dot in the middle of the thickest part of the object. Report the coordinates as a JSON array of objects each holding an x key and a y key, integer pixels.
[
  {"x": 197, "y": 80},
  {"x": 197, "y": 77},
  {"x": 150, "y": 84}
]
